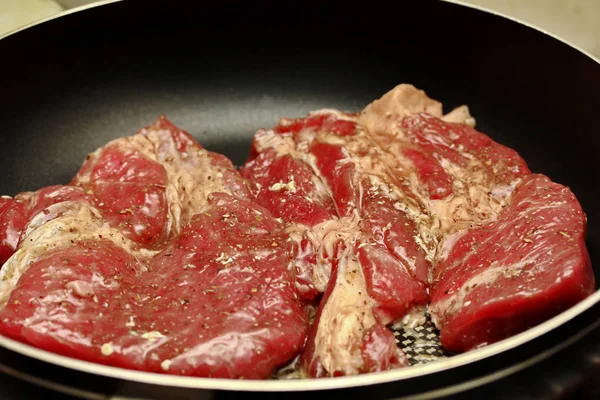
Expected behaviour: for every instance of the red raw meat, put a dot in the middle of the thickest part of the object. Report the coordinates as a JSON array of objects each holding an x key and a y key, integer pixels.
[
  {"x": 380, "y": 351},
  {"x": 13, "y": 218},
  {"x": 15, "y": 213},
  {"x": 160, "y": 256},
  {"x": 407, "y": 181},
  {"x": 376, "y": 275},
  {"x": 288, "y": 186},
  {"x": 202, "y": 288},
  {"x": 515, "y": 272},
  {"x": 509, "y": 251},
  {"x": 150, "y": 184},
  {"x": 346, "y": 337}
]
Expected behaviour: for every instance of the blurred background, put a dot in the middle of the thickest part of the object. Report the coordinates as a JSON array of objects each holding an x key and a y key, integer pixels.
[{"x": 577, "y": 21}]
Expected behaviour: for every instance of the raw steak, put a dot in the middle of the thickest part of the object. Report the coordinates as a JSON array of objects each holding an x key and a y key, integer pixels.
[
  {"x": 412, "y": 190},
  {"x": 510, "y": 250},
  {"x": 15, "y": 213},
  {"x": 510, "y": 274},
  {"x": 149, "y": 185},
  {"x": 507, "y": 246},
  {"x": 160, "y": 256},
  {"x": 160, "y": 262},
  {"x": 351, "y": 242}
]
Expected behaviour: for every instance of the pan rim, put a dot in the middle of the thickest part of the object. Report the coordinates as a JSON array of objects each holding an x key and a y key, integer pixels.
[
  {"x": 431, "y": 394},
  {"x": 58, "y": 15},
  {"x": 462, "y": 3},
  {"x": 524, "y": 23},
  {"x": 321, "y": 383},
  {"x": 305, "y": 384}
]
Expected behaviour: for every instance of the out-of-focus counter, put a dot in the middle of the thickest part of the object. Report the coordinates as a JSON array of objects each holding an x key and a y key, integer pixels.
[{"x": 16, "y": 13}]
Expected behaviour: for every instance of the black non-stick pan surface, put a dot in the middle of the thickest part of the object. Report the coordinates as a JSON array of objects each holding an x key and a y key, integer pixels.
[{"x": 223, "y": 69}]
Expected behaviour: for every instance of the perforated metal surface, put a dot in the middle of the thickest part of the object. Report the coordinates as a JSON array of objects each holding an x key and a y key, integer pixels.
[{"x": 421, "y": 344}]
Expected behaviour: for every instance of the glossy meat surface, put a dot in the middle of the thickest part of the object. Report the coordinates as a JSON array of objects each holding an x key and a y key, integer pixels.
[
  {"x": 410, "y": 186},
  {"x": 162, "y": 263},
  {"x": 160, "y": 256},
  {"x": 512, "y": 273},
  {"x": 358, "y": 249}
]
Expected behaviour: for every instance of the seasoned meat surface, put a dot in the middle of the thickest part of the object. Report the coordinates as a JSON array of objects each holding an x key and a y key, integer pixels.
[
  {"x": 156, "y": 260},
  {"x": 161, "y": 256},
  {"x": 409, "y": 187}
]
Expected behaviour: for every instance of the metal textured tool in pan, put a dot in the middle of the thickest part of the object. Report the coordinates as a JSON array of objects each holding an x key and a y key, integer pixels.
[{"x": 421, "y": 344}]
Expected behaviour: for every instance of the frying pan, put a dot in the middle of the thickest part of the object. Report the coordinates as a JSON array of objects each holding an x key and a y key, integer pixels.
[{"x": 221, "y": 70}]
